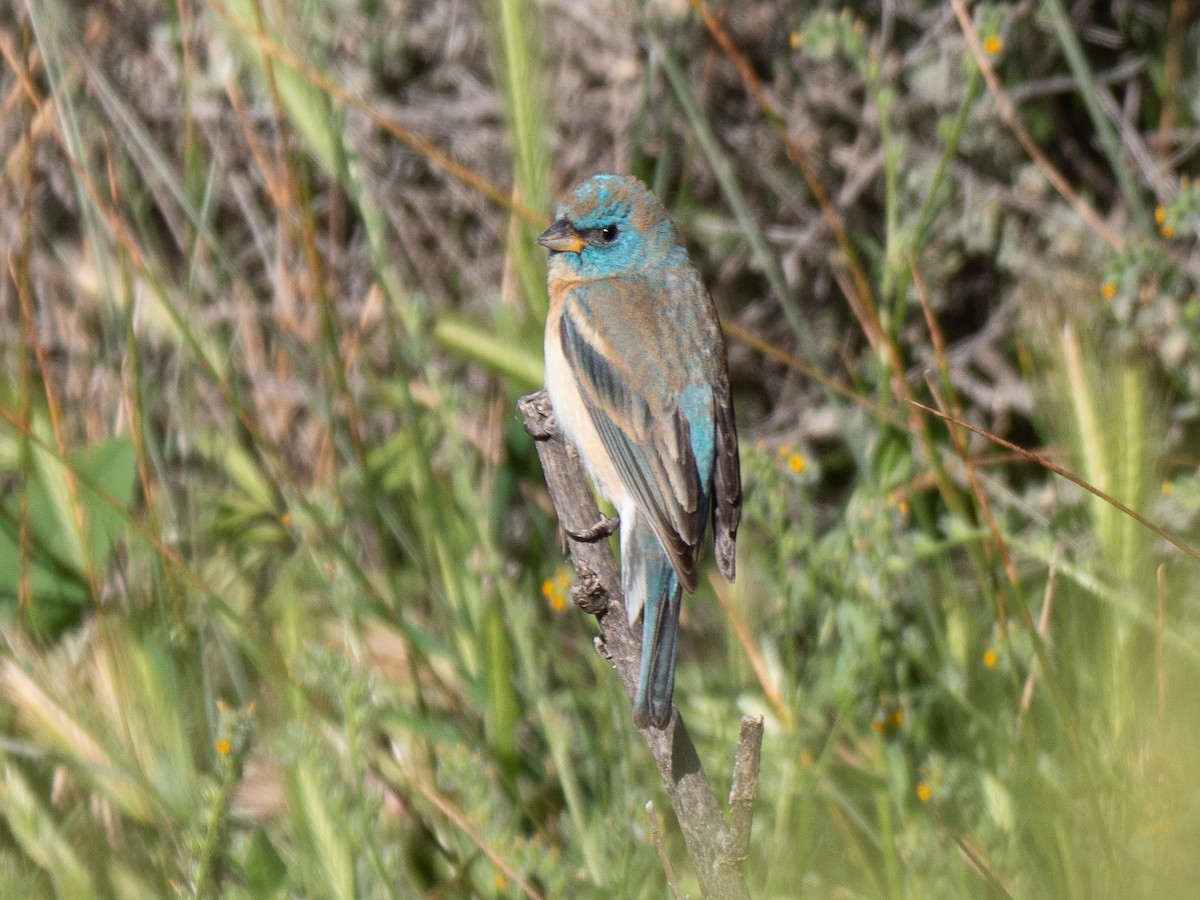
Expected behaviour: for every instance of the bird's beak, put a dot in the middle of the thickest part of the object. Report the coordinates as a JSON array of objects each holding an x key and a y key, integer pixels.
[{"x": 562, "y": 236}]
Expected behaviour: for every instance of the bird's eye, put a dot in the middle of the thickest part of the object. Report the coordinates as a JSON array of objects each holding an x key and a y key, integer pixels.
[{"x": 608, "y": 233}]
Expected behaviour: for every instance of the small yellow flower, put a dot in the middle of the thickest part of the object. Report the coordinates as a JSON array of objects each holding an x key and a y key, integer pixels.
[
  {"x": 796, "y": 39},
  {"x": 501, "y": 882},
  {"x": 1108, "y": 290},
  {"x": 797, "y": 463},
  {"x": 1159, "y": 824},
  {"x": 991, "y": 658},
  {"x": 992, "y": 45},
  {"x": 924, "y": 792},
  {"x": 224, "y": 747},
  {"x": 1168, "y": 488},
  {"x": 877, "y": 726},
  {"x": 556, "y": 589},
  {"x": 897, "y": 718},
  {"x": 1165, "y": 228},
  {"x": 286, "y": 518}
]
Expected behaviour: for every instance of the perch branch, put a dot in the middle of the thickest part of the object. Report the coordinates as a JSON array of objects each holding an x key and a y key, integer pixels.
[
  {"x": 661, "y": 846},
  {"x": 716, "y": 851},
  {"x": 744, "y": 790}
]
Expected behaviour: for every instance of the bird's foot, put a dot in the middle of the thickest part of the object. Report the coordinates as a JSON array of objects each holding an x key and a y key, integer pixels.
[
  {"x": 589, "y": 593},
  {"x": 602, "y": 648},
  {"x": 538, "y": 415},
  {"x": 593, "y": 533}
]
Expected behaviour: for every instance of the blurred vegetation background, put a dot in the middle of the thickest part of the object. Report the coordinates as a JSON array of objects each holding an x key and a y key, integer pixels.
[{"x": 285, "y": 611}]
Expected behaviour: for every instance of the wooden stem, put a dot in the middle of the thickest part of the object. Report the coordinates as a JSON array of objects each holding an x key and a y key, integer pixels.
[{"x": 716, "y": 851}]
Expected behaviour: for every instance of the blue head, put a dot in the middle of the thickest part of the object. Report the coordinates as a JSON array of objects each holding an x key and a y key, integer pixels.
[{"x": 610, "y": 225}]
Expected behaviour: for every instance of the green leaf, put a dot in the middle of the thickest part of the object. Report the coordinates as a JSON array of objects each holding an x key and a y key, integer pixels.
[
  {"x": 40, "y": 836},
  {"x": 307, "y": 106},
  {"x": 504, "y": 356},
  {"x": 107, "y": 472},
  {"x": 892, "y": 460},
  {"x": 60, "y": 548},
  {"x": 264, "y": 868}
]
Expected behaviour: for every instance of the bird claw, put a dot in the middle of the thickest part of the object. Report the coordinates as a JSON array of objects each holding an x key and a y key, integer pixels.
[
  {"x": 602, "y": 648},
  {"x": 589, "y": 593},
  {"x": 538, "y": 414},
  {"x": 593, "y": 533}
]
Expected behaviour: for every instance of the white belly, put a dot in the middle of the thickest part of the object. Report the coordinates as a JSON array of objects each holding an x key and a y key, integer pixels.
[{"x": 575, "y": 424}]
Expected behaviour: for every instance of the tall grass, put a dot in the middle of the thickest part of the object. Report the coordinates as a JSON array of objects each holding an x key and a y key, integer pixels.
[{"x": 285, "y": 612}]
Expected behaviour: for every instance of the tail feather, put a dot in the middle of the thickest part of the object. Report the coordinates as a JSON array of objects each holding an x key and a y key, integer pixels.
[{"x": 650, "y": 569}]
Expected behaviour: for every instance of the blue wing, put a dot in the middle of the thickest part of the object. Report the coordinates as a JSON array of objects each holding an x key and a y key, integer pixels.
[
  {"x": 644, "y": 354},
  {"x": 649, "y": 360}
]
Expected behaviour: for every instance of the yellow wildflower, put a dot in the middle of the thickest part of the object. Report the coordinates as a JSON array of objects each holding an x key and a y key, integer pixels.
[{"x": 556, "y": 589}]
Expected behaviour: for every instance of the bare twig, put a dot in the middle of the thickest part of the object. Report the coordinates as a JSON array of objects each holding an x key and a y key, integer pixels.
[
  {"x": 1172, "y": 68},
  {"x": 337, "y": 93},
  {"x": 973, "y": 856},
  {"x": 661, "y": 847},
  {"x": 463, "y": 822},
  {"x": 1042, "y": 627},
  {"x": 744, "y": 790},
  {"x": 1161, "y": 532},
  {"x": 1009, "y": 114},
  {"x": 757, "y": 663},
  {"x": 858, "y": 288},
  {"x": 709, "y": 843},
  {"x": 960, "y": 444}
]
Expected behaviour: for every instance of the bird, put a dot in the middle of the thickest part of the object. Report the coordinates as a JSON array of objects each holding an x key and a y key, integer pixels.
[{"x": 637, "y": 377}]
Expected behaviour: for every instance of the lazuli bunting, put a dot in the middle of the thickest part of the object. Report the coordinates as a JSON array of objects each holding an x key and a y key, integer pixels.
[{"x": 636, "y": 372}]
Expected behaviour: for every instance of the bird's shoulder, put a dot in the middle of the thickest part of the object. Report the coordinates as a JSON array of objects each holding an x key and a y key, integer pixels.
[
  {"x": 641, "y": 302},
  {"x": 648, "y": 337}
]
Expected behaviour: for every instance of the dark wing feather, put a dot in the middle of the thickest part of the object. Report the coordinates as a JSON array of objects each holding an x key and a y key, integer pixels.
[
  {"x": 649, "y": 445},
  {"x": 727, "y": 487}
]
